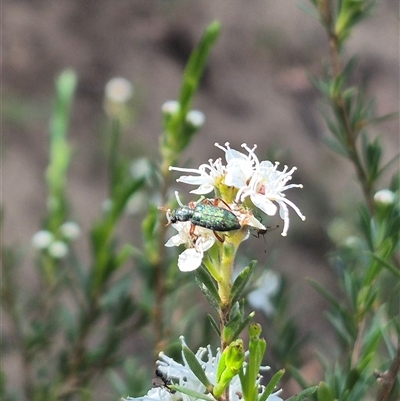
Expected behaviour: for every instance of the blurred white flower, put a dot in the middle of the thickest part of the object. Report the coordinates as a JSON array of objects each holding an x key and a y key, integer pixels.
[
  {"x": 352, "y": 242},
  {"x": 119, "y": 90},
  {"x": 195, "y": 118},
  {"x": 384, "y": 197},
  {"x": 70, "y": 230},
  {"x": 106, "y": 205},
  {"x": 58, "y": 249},
  {"x": 42, "y": 239},
  {"x": 140, "y": 168},
  {"x": 136, "y": 203},
  {"x": 267, "y": 287},
  {"x": 170, "y": 107}
]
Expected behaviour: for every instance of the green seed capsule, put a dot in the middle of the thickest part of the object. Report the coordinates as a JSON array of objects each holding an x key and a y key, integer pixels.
[{"x": 206, "y": 215}]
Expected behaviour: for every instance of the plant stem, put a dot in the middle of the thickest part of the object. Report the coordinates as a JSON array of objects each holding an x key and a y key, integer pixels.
[
  {"x": 389, "y": 378},
  {"x": 339, "y": 104},
  {"x": 159, "y": 269}
]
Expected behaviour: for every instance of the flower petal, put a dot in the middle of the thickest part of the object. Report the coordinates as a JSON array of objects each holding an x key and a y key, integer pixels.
[
  {"x": 190, "y": 260},
  {"x": 264, "y": 204}
]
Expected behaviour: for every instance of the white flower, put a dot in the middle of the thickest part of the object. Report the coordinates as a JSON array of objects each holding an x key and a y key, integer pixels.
[
  {"x": 140, "y": 168},
  {"x": 42, "y": 239},
  {"x": 195, "y": 118},
  {"x": 154, "y": 394},
  {"x": 267, "y": 286},
  {"x": 240, "y": 167},
  {"x": 266, "y": 188},
  {"x": 119, "y": 90},
  {"x": 70, "y": 230},
  {"x": 384, "y": 197},
  {"x": 106, "y": 205},
  {"x": 58, "y": 249},
  {"x": 197, "y": 241},
  {"x": 183, "y": 376},
  {"x": 262, "y": 182},
  {"x": 208, "y": 177},
  {"x": 170, "y": 107}
]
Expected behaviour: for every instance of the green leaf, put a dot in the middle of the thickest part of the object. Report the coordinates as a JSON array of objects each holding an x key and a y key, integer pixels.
[
  {"x": 126, "y": 252},
  {"x": 303, "y": 394},
  {"x": 207, "y": 287},
  {"x": 352, "y": 378},
  {"x": 296, "y": 374},
  {"x": 214, "y": 325},
  {"x": 272, "y": 385},
  {"x": 325, "y": 293},
  {"x": 65, "y": 87},
  {"x": 60, "y": 150},
  {"x": 310, "y": 10},
  {"x": 242, "y": 324},
  {"x": 241, "y": 281},
  {"x": 189, "y": 392},
  {"x": 177, "y": 133},
  {"x": 388, "y": 266},
  {"x": 324, "y": 393},
  {"x": 196, "y": 367},
  {"x": 340, "y": 327},
  {"x": 335, "y": 145},
  {"x": 196, "y": 64}
]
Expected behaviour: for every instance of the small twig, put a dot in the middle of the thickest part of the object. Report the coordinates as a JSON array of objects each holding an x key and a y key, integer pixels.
[
  {"x": 388, "y": 378},
  {"x": 358, "y": 344}
]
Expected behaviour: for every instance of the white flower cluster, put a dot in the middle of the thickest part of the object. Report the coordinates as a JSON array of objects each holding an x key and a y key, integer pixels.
[
  {"x": 254, "y": 184},
  {"x": 183, "y": 376},
  {"x": 44, "y": 240},
  {"x": 262, "y": 182}
]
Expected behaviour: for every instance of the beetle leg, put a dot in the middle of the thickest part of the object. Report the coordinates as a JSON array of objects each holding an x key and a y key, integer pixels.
[
  {"x": 220, "y": 239},
  {"x": 217, "y": 200}
]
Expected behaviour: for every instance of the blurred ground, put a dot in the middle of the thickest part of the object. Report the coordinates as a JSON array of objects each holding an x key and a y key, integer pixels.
[{"x": 255, "y": 91}]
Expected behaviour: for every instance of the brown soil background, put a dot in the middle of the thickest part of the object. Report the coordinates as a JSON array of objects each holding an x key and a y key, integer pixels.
[{"x": 255, "y": 91}]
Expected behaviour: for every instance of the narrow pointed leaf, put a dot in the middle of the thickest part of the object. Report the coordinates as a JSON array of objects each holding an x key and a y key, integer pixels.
[
  {"x": 303, "y": 394},
  {"x": 325, "y": 393},
  {"x": 189, "y": 392},
  {"x": 240, "y": 327},
  {"x": 388, "y": 266},
  {"x": 196, "y": 368},
  {"x": 241, "y": 281},
  {"x": 209, "y": 296},
  {"x": 272, "y": 384},
  {"x": 202, "y": 276},
  {"x": 214, "y": 325}
]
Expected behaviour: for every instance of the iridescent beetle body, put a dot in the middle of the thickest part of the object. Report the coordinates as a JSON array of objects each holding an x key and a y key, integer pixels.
[{"x": 206, "y": 215}]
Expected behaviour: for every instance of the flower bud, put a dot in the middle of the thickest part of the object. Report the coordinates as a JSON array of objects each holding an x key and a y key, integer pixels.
[
  {"x": 170, "y": 107},
  {"x": 384, "y": 197},
  {"x": 70, "y": 230},
  {"x": 42, "y": 239},
  {"x": 58, "y": 249},
  {"x": 195, "y": 118},
  {"x": 118, "y": 90}
]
